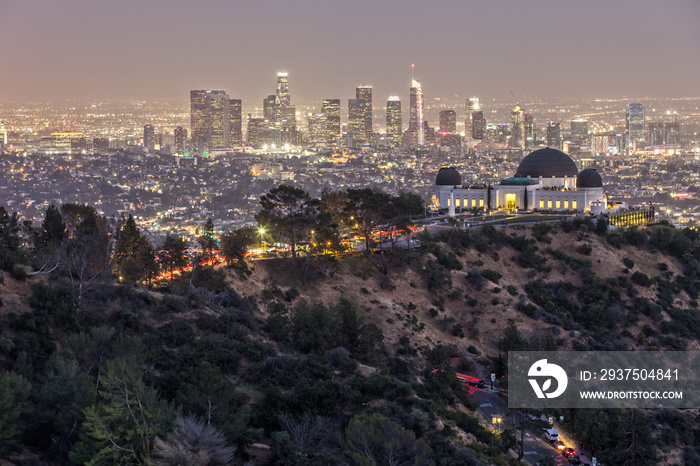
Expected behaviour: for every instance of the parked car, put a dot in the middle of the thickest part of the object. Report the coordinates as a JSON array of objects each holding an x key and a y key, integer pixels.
[{"x": 575, "y": 460}]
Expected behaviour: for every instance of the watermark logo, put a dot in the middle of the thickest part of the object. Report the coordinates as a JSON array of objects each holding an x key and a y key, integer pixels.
[{"x": 543, "y": 370}]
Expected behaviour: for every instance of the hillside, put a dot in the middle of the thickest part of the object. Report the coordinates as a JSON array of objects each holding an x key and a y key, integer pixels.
[{"x": 293, "y": 362}]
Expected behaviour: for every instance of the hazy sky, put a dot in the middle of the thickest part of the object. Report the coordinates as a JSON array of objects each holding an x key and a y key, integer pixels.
[{"x": 55, "y": 49}]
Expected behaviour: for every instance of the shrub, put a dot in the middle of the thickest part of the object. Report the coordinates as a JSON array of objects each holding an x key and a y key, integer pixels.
[
  {"x": 641, "y": 279},
  {"x": 18, "y": 273},
  {"x": 512, "y": 290},
  {"x": 491, "y": 275},
  {"x": 585, "y": 249},
  {"x": 663, "y": 266},
  {"x": 629, "y": 263}
]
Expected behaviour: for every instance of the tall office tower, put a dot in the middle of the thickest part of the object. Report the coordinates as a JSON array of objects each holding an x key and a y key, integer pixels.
[
  {"x": 255, "y": 126},
  {"x": 672, "y": 133},
  {"x": 180, "y": 138},
  {"x": 356, "y": 122},
  {"x": 219, "y": 118},
  {"x": 235, "y": 108},
  {"x": 3, "y": 134},
  {"x": 656, "y": 134},
  {"x": 270, "y": 108},
  {"x": 635, "y": 124},
  {"x": 530, "y": 130},
  {"x": 554, "y": 135},
  {"x": 331, "y": 108},
  {"x": 199, "y": 120},
  {"x": 448, "y": 128},
  {"x": 317, "y": 130},
  {"x": 472, "y": 106},
  {"x": 517, "y": 128},
  {"x": 288, "y": 124},
  {"x": 393, "y": 121},
  {"x": 149, "y": 138},
  {"x": 364, "y": 94},
  {"x": 448, "y": 121},
  {"x": 283, "y": 97},
  {"x": 288, "y": 117},
  {"x": 579, "y": 131},
  {"x": 478, "y": 125},
  {"x": 416, "y": 113}
]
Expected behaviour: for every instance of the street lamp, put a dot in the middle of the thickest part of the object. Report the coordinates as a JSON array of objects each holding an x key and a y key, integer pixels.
[
  {"x": 262, "y": 232},
  {"x": 498, "y": 421}
]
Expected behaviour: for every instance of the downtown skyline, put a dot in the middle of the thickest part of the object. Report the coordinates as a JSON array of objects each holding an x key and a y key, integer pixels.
[{"x": 535, "y": 50}]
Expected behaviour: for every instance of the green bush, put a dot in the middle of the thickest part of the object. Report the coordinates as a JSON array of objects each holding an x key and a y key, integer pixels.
[
  {"x": 629, "y": 263},
  {"x": 18, "y": 273}
]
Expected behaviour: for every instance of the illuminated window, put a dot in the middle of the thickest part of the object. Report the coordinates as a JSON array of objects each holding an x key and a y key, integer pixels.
[
  {"x": 574, "y": 205},
  {"x": 457, "y": 202},
  {"x": 510, "y": 201},
  {"x": 473, "y": 202},
  {"x": 549, "y": 204},
  {"x": 566, "y": 205},
  {"x": 541, "y": 203},
  {"x": 449, "y": 202},
  {"x": 558, "y": 204},
  {"x": 481, "y": 202}
]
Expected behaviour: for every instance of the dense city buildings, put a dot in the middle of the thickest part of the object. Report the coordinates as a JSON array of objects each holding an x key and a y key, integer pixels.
[{"x": 394, "y": 126}]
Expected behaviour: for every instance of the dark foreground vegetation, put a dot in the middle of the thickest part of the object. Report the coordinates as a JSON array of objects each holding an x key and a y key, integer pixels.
[{"x": 98, "y": 367}]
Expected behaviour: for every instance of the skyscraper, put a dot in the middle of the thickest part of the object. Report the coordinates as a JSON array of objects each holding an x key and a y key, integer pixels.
[
  {"x": 517, "y": 128},
  {"x": 579, "y": 131},
  {"x": 472, "y": 104},
  {"x": 672, "y": 133},
  {"x": 448, "y": 128},
  {"x": 219, "y": 118},
  {"x": 478, "y": 125},
  {"x": 554, "y": 135},
  {"x": 331, "y": 108},
  {"x": 416, "y": 113},
  {"x": 656, "y": 133},
  {"x": 356, "y": 122},
  {"x": 255, "y": 126},
  {"x": 149, "y": 138},
  {"x": 530, "y": 130},
  {"x": 317, "y": 130},
  {"x": 635, "y": 124},
  {"x": 393, "y": 121},
  {"x": 364, "y": 94},
  {"x": 180, "y": 138},
  {"x": 270, "y": 108},
  {"x": 199, "y": 121},
  {"x": 448, "y": 121},
  {"x": 283, "y": 97},
  {"x": 235, "y": 122}
]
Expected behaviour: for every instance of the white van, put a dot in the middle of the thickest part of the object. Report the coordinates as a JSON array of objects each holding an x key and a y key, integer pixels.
[{"x": 551, "y": 435}]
